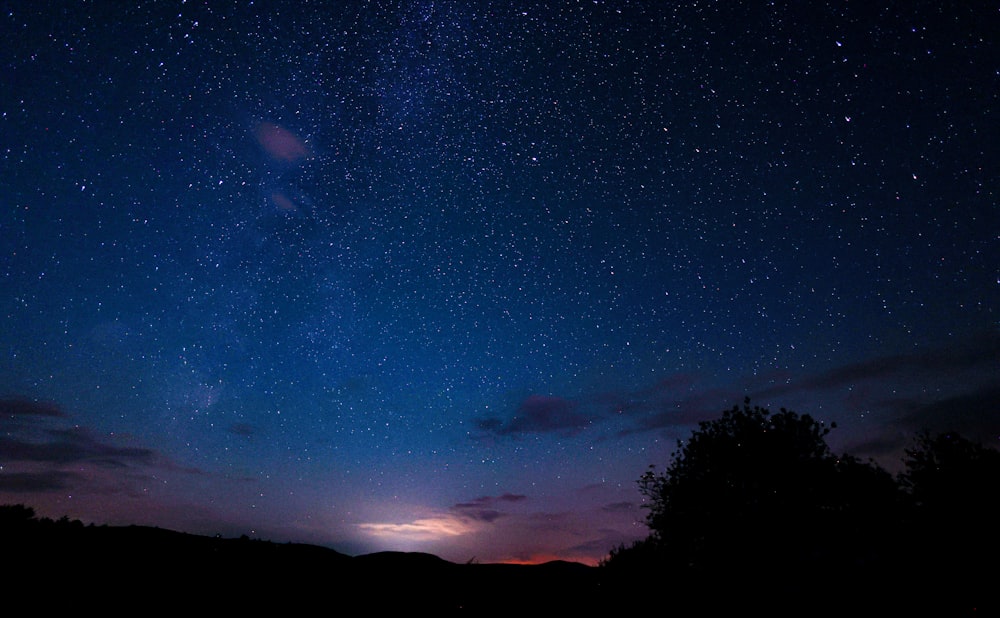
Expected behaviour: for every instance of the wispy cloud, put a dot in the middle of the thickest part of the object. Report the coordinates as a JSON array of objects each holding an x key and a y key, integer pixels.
[
  {"x": 44, "y": 451},
  {"x": 962, "y": 375},
  {"x": 540, "y": 414},
  {"x": 513, "y": 530},
  {"x": 70, "y": 445},
  {"x": 974, "y": 414},
  {"x": 30, "y": 437},
  {"x": 671, "y": 402},
  {"x": 485, "y": 508},
  {"x": 13, "y": 408},
  {"x": 33, "y": 482},
  {"x": 460, "y": 519},
  {"x": 974, "y": 355},
  {"x": 423, "y": 529},
  {"x": 245, "y": 430},
  {"x": 617, "y": 507}
]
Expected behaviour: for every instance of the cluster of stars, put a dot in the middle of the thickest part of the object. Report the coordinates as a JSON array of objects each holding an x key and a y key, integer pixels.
[{"x": 364, "y": 239}]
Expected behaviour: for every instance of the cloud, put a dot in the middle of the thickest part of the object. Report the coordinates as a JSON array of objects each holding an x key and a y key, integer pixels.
[
  {"x": 535, "y": 537},
  {"x": 27, "y": 407},
  {"x": 617, "y": 507},
  {"x": 421, "y": 530},
  {"x": 540, "y": 414},
  {"x": 976, "y": 354},
  {"x": 670, "y": 403},
  {"x": 484, "y": 500},
  {"x": 485, "y": 508},
  {"x": 32, "y": 482},
  {"x": 667, "y": 410},
  {"x": 428, "y": 527},
  {"x": 280, "y": 143},
  {"x": 975, "y": 415},
  {"x": 507, "y": 528},
  {"x": 521, "y": 534},
  {"x": 42, "y": 452},
  {"x": 242, "y": 429},
  {"x": 851, "y": 391},
  {"x": 28, "y": 433},
  {"x": 461, "y": 519},
  {"x": 63, "y": 446}
]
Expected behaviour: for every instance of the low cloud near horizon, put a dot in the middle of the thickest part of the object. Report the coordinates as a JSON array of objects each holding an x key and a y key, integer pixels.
[{"x": 905, "y": 393}]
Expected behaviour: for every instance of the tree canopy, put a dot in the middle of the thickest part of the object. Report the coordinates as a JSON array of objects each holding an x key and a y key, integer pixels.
[
  {"x": 756, "y": 505},
  {"x": 753, "y": 488}
]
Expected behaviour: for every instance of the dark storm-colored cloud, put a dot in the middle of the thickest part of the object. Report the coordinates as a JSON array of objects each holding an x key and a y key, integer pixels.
[
  {"x": 30, "y": 482},
  {"x": 540, "y": 414}
]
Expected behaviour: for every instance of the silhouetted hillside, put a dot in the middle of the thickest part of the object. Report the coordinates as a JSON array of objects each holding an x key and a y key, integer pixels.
[
  {"x": 134, "y": 566},
  {"x": 65, "y": 566}
]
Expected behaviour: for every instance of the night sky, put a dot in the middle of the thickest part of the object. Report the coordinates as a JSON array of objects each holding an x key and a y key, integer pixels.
[{"x": 448, "y": 276}]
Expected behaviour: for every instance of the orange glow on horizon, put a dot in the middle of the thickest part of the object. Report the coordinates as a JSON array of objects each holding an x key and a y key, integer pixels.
[{"x": 543, "y": 558}]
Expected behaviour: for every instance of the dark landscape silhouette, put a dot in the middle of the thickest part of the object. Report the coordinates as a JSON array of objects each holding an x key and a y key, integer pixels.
[
  {"x": 754, "y": 512},
  {"x": 79, "y": 565}
]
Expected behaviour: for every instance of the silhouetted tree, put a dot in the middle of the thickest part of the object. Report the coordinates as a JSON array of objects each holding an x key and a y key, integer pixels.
[
  {"x": 15, "y": 515},
  {"x": 946, "y": 473},
  {"x": 954, "y": 485},
  {"x": 757, "y": 504}
]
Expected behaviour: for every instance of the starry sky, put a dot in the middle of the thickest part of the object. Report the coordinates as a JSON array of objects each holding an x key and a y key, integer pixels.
[{"x": 449, "y": 276}]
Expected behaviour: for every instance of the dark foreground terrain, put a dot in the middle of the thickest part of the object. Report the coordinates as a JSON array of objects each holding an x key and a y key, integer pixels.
[
  {"x": 68, "y": 567},
  {"x": 134, "y": 568}
]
